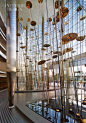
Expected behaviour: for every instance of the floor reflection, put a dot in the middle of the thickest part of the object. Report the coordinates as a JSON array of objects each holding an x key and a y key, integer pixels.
[{"x": 57, "y": 112}]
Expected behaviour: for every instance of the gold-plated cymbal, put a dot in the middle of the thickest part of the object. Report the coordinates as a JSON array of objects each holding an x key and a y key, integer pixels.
[
  {"x": 21, "y": 19},
  {"x": 78, "y": 71},
  {"x": 49, "y": 19},
  {"x": 41, "y": 62},
  {"x": 54, "y": 28},
  {"x": 34, "y": 74},
  {"x": 46, "y": 45},
  {"x": 78, "y": 8},
  {"x": 24, "y": 27},
  {"x": 46, "y": 33},
  {"x": 56, "y": 52},
  {"x": 22, "y": 47},
  {"x": 28, "y": 4},
  {"x": 21, "y": 43},
  {"x": 69, "y": 37},
  {"x": 33, "y": 23},
  {"x": 55, "y": 56},
  {"x": 43, "y": 49},
  {"x": 68, "y": 49},
  {"x": 33, "y": 45},
  {"x": 57, "y": 4},
  {"x": 78, "y": 114},
  {"x": 27, "y": 57},
  {"x": 66, "y": 22},
  {"x": 40, "y": 1},
  {"x": 17, "y": 19},
  {"x": 64, "y": 42},
  {"x": 17, "y": 51},
  {"x": 30, "y": 50},
  {"x": 18, "y": 34},
  {"x": 26, "y": 65},
  {"x": 83, "y": 17},
  {"x": 37, "y": 53},
  {"x": 80, "y": 38},
  {"x": 73, "y": 51},
  {"x": 31, "y": 29},
  {"x": 53, "y": 23},
  {"x": 32, "y": 37},
  {"x": 64, "y": 11},
  {"x": 28, "y": 19},
  {"x": 83, "y": 121},
  {"x": 37, "y": 36},
  {"x": 30, "y": 61},
  {"x": 57, "y": 20}
]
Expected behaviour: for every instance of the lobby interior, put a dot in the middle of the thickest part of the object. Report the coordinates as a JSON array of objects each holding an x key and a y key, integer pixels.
[{"x": 42, "y": 61}]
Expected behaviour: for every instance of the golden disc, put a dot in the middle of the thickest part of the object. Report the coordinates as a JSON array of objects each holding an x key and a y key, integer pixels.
[
  {"x": 78, "y": 114},
  {"x": 73, "y": 51},
  {"x": 53, "y": 23},
  {"x": 43, "y": 49},
  {"x": 26, "y": 65},
  {"x": 33, "y": 45},
  {"x": 46, "y": 33},
  {"x": 66, "y": 22},
  {"x": 83, "y": 17},
  {"x": 18, "y": 34},
  {"x": 54, "y": 28},
  {"x": 55, "y": 56},
  {"x": 80, "y": 38},
  {"x": 24, "y": 27},
  {"x": 68, "y": 49},
  {"x": 17, "y": 19},
  {"x": 17, "y": 51},
  {"x": 33, "y": 23},
  {"x": 57, "y": 20},
  {"x": 34, "y": 74},
  {"x": 63, "y": 12},
  {"x": 49, "y": 19},
  {"x": 31, "y": 29},
  {"x": 37, "y": 36},
  {"x": 30, "y": 61},
  {"x": 41, "y": 62},
  {"x": 21, "y": 19},
  {"x": 37, "y": 53},
  {"x": 22, "y": 47},
  {"x": 57, "y": 4},
  {"x": 46, "y": 45},
  {"x": 83, "y": 121},
  {"x": 78, "y": 9},
  {"x": 69, "y": 37},
  {"x": 21, "y": 43},
  {"x": 56, "y": 52},
  {"x": 30, "y": 50},
  {"x": 40, "y": 1},
  {"x": 28, "y": 19},
  {"x": 28, "y": 4},
  {"x": 27, "y": 57},
  {"x": 32, "y": 37},
  {"x": 64, "y": 42}
]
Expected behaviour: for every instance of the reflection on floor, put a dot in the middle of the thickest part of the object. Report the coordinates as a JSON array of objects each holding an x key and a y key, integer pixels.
[{"x": 57, "y": 112}]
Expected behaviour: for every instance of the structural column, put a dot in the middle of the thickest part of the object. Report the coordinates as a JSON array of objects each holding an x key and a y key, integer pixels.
[
  {"x": 43, "y": 51},
  {"x": 17, "y": 70},
  {"x": 11, "y": 49}
]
